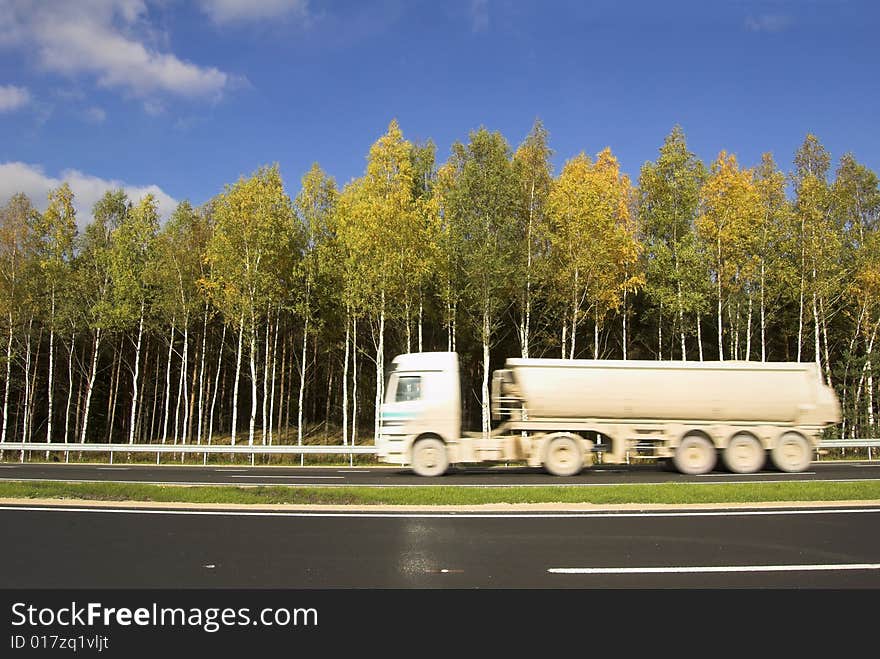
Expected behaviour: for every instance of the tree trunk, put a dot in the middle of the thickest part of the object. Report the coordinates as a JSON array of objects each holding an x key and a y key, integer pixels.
[
  {"x": 302, "y": 388},
  {"x": 135, "y": 376},
  {"x": 25, "y": 430},
  {"x": 272, "y": 392},
  {"x": 763, "y": 317},
  {"x": 216, "y": 386},
  {"x": 265, "y": 429},
  {"x": 70, "y": 352},
  {"x": 167, "y": 401},
  {"x": 345, "y": 377},
  {"x": 51, "y": 378},
  {"x": 90, "y": 387},
  {"x": 484, "y": 402},
  {"x": 8, "y": 382},
  {"x": 237, "y": 376},
  {"x": 354, "y": 380},
  {"x": 681, "y": 321},
  {"x": 252, "y": 354},
  {"x": 380, "y": 368},
  {"x": 720, "y": 320},
  {"x": 699, "y": 338},
  {"x": 202, "y": 376},
  {"x": 184, "y": 367},
  {"x": 749, "y": 330},
  {"x": 283, "y": 382}
]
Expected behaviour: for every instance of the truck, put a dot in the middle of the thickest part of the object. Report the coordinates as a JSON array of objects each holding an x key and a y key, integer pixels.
[{"x": 567, "y": 414}]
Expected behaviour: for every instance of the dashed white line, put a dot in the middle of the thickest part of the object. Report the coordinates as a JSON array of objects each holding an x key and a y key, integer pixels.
[
  {"x": 699, "y": 569},
  {"x": 287, "y": 477}
]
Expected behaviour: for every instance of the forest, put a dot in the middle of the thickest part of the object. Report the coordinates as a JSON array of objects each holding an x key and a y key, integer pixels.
[{"x": 270, "y": 314}]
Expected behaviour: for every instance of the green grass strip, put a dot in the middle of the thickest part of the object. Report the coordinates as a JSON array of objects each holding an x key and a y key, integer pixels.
[{"x": 666, "y": 493}]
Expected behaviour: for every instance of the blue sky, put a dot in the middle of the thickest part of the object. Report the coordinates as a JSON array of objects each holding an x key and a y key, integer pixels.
[{"x": 181, "y": 97}]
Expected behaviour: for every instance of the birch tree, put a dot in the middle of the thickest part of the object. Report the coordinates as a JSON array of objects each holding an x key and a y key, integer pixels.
[
  {"x": 132, "y": 243},
  {"x": 55, "y": 233},
  {"x": 533, "y": 171},
  {"x": 248, "y": 254},
  {"x": 483, "y": 201},
  {"x": 94, "y": 281},
  {"x": 669, "y": 192},
  {"x": 314, "y": 207},
  {"x": 729, "y": 214}
]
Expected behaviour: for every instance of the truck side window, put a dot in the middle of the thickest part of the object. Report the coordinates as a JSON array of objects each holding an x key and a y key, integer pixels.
[{"x": 409, "y": 387}]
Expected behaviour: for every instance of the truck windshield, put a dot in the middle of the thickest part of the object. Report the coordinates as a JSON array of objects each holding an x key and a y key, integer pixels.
[{"x": 409, "y": 387}]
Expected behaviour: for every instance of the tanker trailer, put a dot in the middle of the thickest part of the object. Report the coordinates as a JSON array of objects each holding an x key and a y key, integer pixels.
[{"x": 561, "y": 413}]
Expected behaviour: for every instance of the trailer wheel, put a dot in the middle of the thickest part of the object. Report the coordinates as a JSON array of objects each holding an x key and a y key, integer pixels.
[
  {"x": 563, "y": 456},
  {"x": 429, "y": 457},
  {"x": 695, "y": 455},
  {"x": 744, "y": 454},
  {"x": 792, "y": 453}
]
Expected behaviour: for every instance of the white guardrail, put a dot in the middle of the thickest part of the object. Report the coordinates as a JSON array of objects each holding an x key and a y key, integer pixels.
[{"x": 291, "y": 449}]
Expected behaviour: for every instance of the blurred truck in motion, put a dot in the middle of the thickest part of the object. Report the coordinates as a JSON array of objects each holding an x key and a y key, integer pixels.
[{"x": 560, "y": 413}]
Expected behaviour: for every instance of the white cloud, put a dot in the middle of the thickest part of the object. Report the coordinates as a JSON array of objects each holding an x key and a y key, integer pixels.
[
  {"x": 13, "y": 98},
  {"x": 18, "y": 177},
  {"x": 107, "y": 39},
  {"x": 231, "y": 11}
]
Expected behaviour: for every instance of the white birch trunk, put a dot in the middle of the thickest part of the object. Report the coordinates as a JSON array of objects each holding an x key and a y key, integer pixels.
[
  {"x": 354, "y": 381},
  {"x": 380, "y": 369},
  {"x": 135, "y": 378},
  {"x": 302, "y": 388},
  {"x": 90, "y": 386},
  {"x": 167, "y": 402},
  {"x": 237, "y": 377},
  {"x": 216, "y": 387},
  {"x": 183, "y": 381},
  {"x": 8, "y": 382},
  {"x": 264, "y": 429},
  {"x": 272, "y": 392},
  {"x": 345, "y": 377},
  {"x": 51, "y": 379},
  {"x": 69, "y": 387},
  {"x": 484, "y": 402},
  {"x": 202, "y": 377},
  {"x": 252, "y": 363}
]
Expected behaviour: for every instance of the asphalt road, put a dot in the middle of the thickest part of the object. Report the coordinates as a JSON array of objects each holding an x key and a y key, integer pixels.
[
  {"x": 393, "y": 476},
  {"x": 53, "y": 547}
]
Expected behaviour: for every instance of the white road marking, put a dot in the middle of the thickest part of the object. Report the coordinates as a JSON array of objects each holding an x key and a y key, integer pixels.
[
  {"x": 306, "y": 477},
  {"x": 428, "y": 515},
  {"x": 225, "y": 471},
  {"x": 114, "y": 468},
  {"x": 699, "y": 569}
]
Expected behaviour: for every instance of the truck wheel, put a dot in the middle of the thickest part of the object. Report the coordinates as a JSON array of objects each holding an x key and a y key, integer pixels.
[
  {"x": 792, "y": 453},
  {"x": 744, "y": 454},
  {"x": 563, "y": 456},
  {"x": 429, "y": 457},
  {"x": 695, "y": 455}
]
